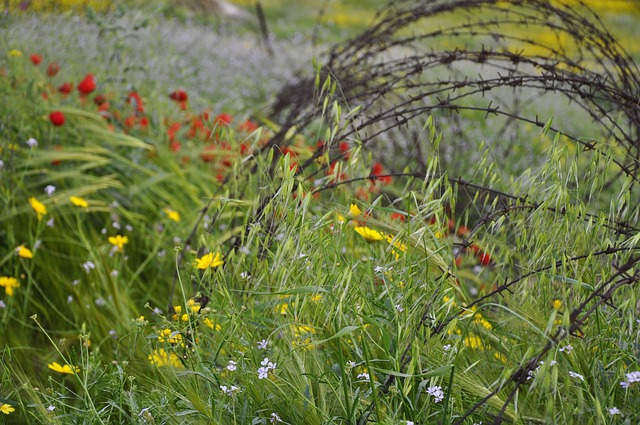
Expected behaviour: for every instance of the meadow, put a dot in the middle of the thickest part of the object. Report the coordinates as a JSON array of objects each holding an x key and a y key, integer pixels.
[{"x": 435, "y": 222}]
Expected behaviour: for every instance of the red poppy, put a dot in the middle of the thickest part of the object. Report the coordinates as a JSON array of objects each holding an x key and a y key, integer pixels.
[
  {"x": 99, "y": 99},
  {"x": 130, "y": 121},
  {"x": 56, "y": 118},
  {"x": 248, "y": 126},
  {"x": 135, "y": 100},
  {"x": 179, "y": 96},
  {"x": 52, "y": 69},
  {"x": 65, "y": 88},
  {"x": 223, "y": 120},
  {"x": 87, "y": 85},
  {"x": 484, "y": 258},
  {"x": 377, "y": 172},
  {"x": 398, "y": 216},
  {"x": 36, "y": 59},
  {"x": 143, "y": 122},
  {"x": 172, "y": 130}
]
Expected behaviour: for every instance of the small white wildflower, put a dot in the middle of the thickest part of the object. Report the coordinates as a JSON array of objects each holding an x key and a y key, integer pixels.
[
  {"x": 232, "y": 365},
  {"x": 245, "y": 275},
  {"x": 37, "y": 244},
  {"x": 263, "y": 373},
  {"x": 379, "y": 269},
  {"x": 32, "y": 143},
  {"x": 364, "y": 376},
  {"x": 114, "y": 204},
  {"x": 223, "y": 226},
  {"x": 100, "y": 302},
  {"x": 113, "y": 333},
  {"x": 1, "y": 163},
  {"x": 630, "y": 378},
  {"x": 103, "y": 231},
  {"x": 49, "y": 189},
  {"x": 50, "y": 222},
  {"x": 51, "y": 408},
  {"x": 2, "y": 304},
  {"x": 162, "y": 253},
  {"x": 279, "y": 237},
  {"x": 576, "y": 375},
  {"x": 177, "y": 240},
  {"x": 409, "y": 423},
  {"x": 244, "y": 250},
  {"x": 116, "y": 225},
  {"x": 76, "y": 282},
  {"x": 262, "y": 345},
  {"x": 88, "y": 266},
  {"x": 69, "y": 299},
  {"x": 129, "y": 228},
  {"x": 114, "y": 273},
  {"x": 343, "y": 250},
  {"x": 350, "y": 365},
  {"x": 301, "y": 255},
  {"x": 614, "y": 411},
  {"x": 553, "y": 363},
  {"x": 275, "y": 418},
  {"x": 566, "y": 349},
  {"x": 436, "y": 392},
  {"x": 157, "y": 311},
  {"x": 399, "y": 308}
]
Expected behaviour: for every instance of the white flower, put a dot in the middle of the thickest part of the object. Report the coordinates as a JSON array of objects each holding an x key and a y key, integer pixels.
[
  {"x": 275, "y": 418},
  {"x": 232, "y": 365},
  {"x": 32, "y": 143},
  {"x": 244, "y": 250},
  {"x": 576, "y": 375},
  {"x": 2, "y": 304},
  {"x": 51, "y": 408},
  {"x": 364, "y": 376},
  {"x": 614, "y": 411},
  {"x": 1, "y": 163},
  {"x": 50, "y": 222},
  {"x": 436, "y": 392},
  {"x": 279, "y": 237},
  {"x": 350, "y": 365},
  {"x": 114, "y": 273},
  {"x": 409, "y": 423},
  {"x": 399, "y": 308},
  {"x": 49, "y": 189},
  {"x": 37, "y": 244},
  {"x": 116, "y": 225},
  {"x": 100, "y": 302},
  {"x": 630, "y": 378},
  {"x": 566, "y": 349},
  {"x": 262, "y": 345},
  {"x": 129, "y": 228},
  {"x": 88, "y": 266},
  {"x": 553, "y": 363},
  {"x": 69, "y": 299},
  {"x": 245, "y": 275},
  {"x": 263, "y": 372}
]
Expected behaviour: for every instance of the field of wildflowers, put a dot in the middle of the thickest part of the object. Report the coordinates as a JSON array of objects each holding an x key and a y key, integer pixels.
[{"x": 171, "y": 253}]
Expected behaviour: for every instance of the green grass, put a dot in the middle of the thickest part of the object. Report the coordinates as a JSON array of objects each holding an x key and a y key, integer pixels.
[{"x": 354, "y": 329}]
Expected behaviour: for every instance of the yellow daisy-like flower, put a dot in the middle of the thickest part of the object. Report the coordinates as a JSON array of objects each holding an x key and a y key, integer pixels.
[
  {"x": 209, "y": 323},
  {"x": 38, "y": 207},
  {"x": 7, "y": 409},
  {"x": 370, "y": 235},
  {"x": 161, "y": 358},
  {"x": 9, "y": 284},
  {"x": 15, "y": 53},
  {"x": 557, "y": 304},
  {"x": 118, "y": 241},
  {"x": 24, "y": 252},
  {"x": 209, "y": 261},
  {"x": 354, "y": 211},
  {"x": 78, "y": 201},
  {"x": 66, "y": 369},
  {"x": 173, "y": 215}
]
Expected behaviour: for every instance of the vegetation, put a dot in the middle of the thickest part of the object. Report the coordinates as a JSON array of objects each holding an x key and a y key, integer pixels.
[{"x": 433, "y": 224}]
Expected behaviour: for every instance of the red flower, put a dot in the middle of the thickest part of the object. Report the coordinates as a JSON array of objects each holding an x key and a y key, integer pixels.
[
  {"x": 99, "y": 99},
  {"x": 52, "y": 69},
  {"x": 56, "y": 118},
  {"x": 343, "y": 146},
  {"x": 248, "y": 126},
  {"x": 130, "y": 121},
  {"x": 179, "y": 96},
  {"x": 223, "y": 120},
  {"x": 87, "y": 85},
  {"x": 135, "y": 100},
  {"x": 377, "y": 172},
  {"x": 398, "y": 216},
  {"x": 36, "y": 59},
  {"x": 484, "y": 258},
  {"x": 65, "y": 88}
]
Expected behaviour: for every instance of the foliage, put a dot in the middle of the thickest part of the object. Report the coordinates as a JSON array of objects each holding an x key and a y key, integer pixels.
[{"x": 357, "y": 257}]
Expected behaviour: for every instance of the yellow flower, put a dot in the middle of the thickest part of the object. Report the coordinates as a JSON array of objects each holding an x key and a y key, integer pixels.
[
  {"x": 66, "y": 369},
  {"x": 340, "y": 218},
  {"x": 173, "y": 215},
  {"x": 474, "y": 342},
  {"x": 354, "y": 211},
  {"x": 24, "y": 252},
  {"x": 370, "y": 235},
  {"x": 38, "y": 207},
  {"x": 118, "y": 241},
  {"x": 500, "y": 356},
  {"x": 193, "y": 306},
  {"x": 15, "y": 53},
  {"x": 211, "y": 325},
  {"x": 557, "y": 304},
  {"x": 161, "y": 358},
  {"x": 208, "y": 260},
  {"x": 402, "y": 247},
  {"x": 167, "y": 335},
  {"x": 302, "y": 335},
  {"x": 6, "y": 408},
  {"x": 79, "y": 202},
  {"x": 9, "y": 283}
]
